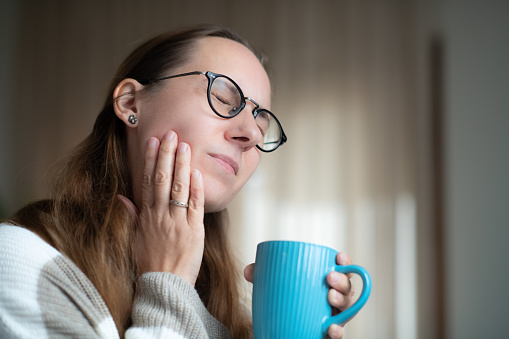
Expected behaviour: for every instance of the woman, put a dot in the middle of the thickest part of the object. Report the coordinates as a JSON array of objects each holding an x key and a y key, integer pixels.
[{"x": 132, "y": 242}]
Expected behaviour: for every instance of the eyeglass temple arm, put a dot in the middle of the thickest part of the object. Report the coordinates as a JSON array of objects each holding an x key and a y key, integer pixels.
[{"x": 175, "y": 76}]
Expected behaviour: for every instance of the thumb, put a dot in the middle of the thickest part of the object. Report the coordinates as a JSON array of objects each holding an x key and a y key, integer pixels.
[
  {"x": 249, "y": 272},
  {"x": 133, "y": 211}
]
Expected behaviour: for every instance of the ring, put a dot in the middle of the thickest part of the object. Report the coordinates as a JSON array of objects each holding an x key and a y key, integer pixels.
[{"x": 178, "y": 203}]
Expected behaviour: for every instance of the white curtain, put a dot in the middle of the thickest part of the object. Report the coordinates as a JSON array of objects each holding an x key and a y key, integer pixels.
[{"x": 346, "y": 89}]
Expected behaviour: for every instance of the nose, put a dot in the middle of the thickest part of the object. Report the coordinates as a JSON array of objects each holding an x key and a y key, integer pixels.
[{"x": 243, "y": 129}]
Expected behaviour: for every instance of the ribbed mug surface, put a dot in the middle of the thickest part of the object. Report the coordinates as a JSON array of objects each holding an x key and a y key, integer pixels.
[{"x": 290, "y": 290}]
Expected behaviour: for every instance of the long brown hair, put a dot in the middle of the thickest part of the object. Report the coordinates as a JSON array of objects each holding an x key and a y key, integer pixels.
[{"x": 84, "y": 219}]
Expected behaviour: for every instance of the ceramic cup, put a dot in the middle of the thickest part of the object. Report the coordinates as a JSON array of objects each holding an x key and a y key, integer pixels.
[{"x": 290, "y": 290}]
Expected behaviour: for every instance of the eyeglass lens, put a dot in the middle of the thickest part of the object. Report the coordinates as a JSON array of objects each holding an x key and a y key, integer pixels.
[{"x": 226, "y": 100}]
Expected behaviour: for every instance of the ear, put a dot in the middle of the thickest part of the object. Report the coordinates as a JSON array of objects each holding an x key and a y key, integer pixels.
[{"x": 125, "y": 101}]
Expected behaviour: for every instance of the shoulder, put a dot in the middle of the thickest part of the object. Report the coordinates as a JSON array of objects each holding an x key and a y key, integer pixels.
[
  {"x": 22, "y": 257},
  {"x": 39, "y": 287},
  {"x": 21, "y": 246}
]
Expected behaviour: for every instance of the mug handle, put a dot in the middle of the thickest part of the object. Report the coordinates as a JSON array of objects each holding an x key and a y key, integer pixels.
[{"x": 349, "y": 313}]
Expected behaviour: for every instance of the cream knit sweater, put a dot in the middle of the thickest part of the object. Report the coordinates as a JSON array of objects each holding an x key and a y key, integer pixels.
[{"x": 43, "y": 294}]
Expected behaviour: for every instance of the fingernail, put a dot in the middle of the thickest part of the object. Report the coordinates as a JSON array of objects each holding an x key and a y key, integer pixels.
[
  {"x": 182, "y": 147},
  {"x": 169, "y": 136},
  {"x": 151, "y": 143},
  {"x": 336, "y": 295},
  {"x": 343, "y": 258},
  {"x": 335, "y": 277},
  {"x": 334, "y": 329}
]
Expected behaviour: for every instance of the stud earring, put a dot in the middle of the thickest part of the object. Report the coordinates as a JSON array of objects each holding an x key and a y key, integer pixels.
[{"x": 132, "y": 119}]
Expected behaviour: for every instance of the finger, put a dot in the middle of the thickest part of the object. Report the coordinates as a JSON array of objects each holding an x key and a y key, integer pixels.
[
  {"x": 335, "y": 331},
  {"x": 133, "y": 211},
  {"x": 147, "y": 192},
  {"x": 340, "y": 282},
  {"x": 341, "y": 292},
  {"x": 181, "y": 177},
  {"x": 337, "y": 299},
  {"x": 344, "y": 259},
  {"x": 164, "y": 171},
  {"x": 249, "y": 272},
  {"x": 196, "y": 200}
]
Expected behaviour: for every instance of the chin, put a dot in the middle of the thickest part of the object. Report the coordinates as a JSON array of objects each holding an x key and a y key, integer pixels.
[
  {"x": 218, "y": 196},
  {"x": 215, "y": 203},
  {"x": 214, "y": 207}
]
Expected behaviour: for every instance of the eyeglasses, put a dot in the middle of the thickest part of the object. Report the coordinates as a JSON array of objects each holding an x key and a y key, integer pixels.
[{"x": 227, "y": 100}]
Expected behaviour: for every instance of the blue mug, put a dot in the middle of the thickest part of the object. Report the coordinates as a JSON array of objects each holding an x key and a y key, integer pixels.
[{"x": 290, "y": 290}]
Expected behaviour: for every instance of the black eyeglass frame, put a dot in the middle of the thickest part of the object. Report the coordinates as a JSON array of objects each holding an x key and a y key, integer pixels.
[{"x": 211, "y": 76}]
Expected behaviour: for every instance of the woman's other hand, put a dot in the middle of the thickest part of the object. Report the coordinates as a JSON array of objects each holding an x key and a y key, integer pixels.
[
  {"x": 249, "y": 272},
  {"x": 340, "y": 295},
  {"x": 170, "y": 238}
]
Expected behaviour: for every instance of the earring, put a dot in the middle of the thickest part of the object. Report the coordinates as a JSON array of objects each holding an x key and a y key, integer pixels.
[{"x": 132, "y": 119}]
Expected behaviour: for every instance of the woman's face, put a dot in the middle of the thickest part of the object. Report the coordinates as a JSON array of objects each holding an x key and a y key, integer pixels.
[{"x": 224, "y": 150}]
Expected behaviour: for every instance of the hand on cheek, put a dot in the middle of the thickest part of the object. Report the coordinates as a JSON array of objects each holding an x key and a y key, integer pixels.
[{"x": 170, "y": 238}]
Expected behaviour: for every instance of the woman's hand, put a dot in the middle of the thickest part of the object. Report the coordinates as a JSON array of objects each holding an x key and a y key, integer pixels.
[
  {"x": 170, "y": 238},
  {"x": 340, "y": 295}
]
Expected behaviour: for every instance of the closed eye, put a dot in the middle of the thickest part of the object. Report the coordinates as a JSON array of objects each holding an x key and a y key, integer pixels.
[{"x": 221, "y": 99}]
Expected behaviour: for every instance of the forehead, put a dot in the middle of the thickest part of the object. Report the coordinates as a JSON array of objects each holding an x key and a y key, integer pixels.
[{"x": 235, "y": 60}]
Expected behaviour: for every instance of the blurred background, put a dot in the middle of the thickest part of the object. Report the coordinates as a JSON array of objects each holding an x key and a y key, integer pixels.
[{"x": 397, "y": 114}]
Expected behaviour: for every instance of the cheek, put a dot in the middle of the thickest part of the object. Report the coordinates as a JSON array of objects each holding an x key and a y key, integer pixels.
[
  {"x": 162, "y": 110},
  {"x": 252, "y": 161},
  {"x": 218, "y": 196}
]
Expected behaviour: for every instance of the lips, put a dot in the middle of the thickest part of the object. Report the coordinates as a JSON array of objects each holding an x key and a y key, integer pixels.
[{"x": 228, "y": 163}]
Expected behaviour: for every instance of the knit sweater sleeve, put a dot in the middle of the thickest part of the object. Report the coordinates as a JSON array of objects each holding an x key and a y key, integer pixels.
[
  {"x": 43, "y": 294},
  {"x": 167, "y": 306}
]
